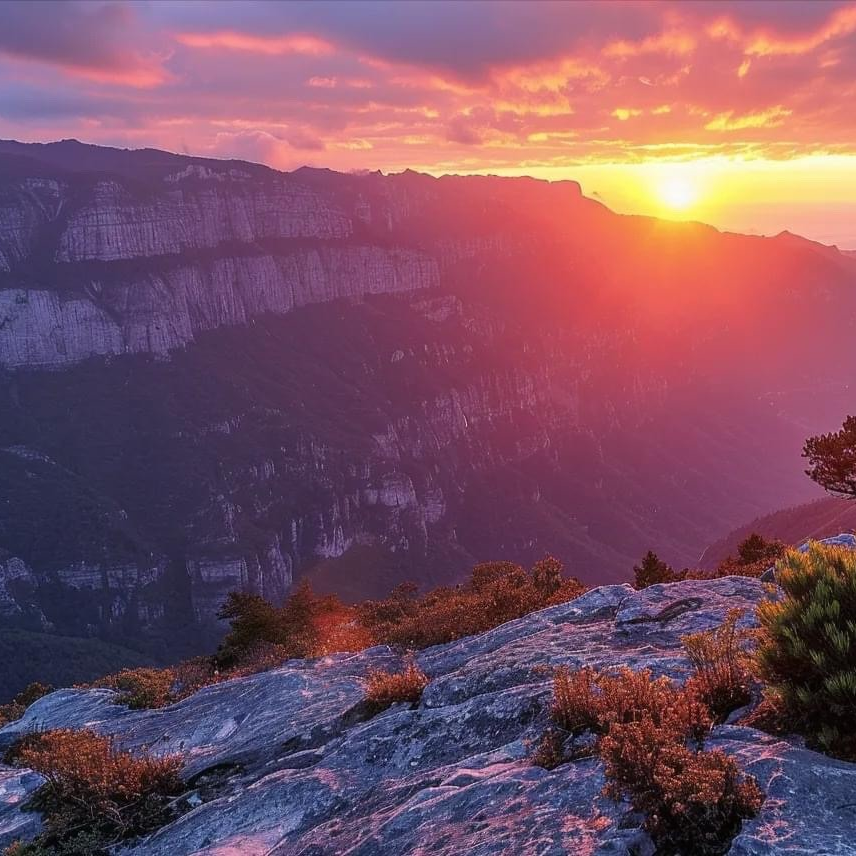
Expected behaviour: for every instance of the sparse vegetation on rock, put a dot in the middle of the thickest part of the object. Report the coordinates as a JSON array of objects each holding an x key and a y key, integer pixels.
[
  {"x": 651, "y": 737},
  {"x": 384, "y": 689},
  {"x": 15, "y": 708},
  {"x": 754, "y": 556},
  {"x": 95, "y": 795},
  {"x": 694, "y": 800},
  {"x": 722, "y": 678},
  {"x": 496, "y": 592},
  {"x": 142, "y": 688}
]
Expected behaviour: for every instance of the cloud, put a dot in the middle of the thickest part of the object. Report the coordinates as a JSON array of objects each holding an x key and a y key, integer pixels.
[
  {"x": 455, "y": 86},
  {"x": 772, "y": 118},
  {"x": 99, "y": 41},
  {"x": 272, "y": 45}
]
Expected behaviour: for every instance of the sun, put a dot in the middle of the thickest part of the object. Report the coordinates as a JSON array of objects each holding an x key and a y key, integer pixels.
[{"x": 677, "y": 192}]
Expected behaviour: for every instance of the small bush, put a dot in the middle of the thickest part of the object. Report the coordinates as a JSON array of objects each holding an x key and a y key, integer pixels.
[
  {"x": 550, "y": 751},
  {"x": 384, "y": 689},
  {"x": 298, "y": 627},
  {"x": 261, "y": 657},
  {"x": 142, "y": 688},
  {"x": 496, "y": 592},
  {"x": 694, "y": 802},
  {"x": 95, "y": 790},
  {"x": 15, "y": 709},
  {"x": 722, "y": 679},
  {"x": 585, "y": 700},
  {"x": 754, "y": 556},
  {"x": 652, "y": 571},
  {"x": 807, "y": 648}
]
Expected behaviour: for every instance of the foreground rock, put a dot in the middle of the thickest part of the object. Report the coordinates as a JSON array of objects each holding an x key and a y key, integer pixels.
[{"x": 285, "y": 762}]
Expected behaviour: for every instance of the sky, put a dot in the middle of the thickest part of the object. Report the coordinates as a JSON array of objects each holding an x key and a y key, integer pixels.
[{"x": 741, "y": 114}]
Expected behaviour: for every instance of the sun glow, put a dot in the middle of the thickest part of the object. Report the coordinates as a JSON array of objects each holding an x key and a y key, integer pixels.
[{"x": 678, "y": 192}]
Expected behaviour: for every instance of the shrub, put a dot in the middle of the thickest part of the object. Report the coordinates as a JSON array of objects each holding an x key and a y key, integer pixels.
[
  {"x": 142, "y": 688},
  {"x": 722, "y": 677},
  {"x": 550, "y": 751},
  {"x": 15, "y": 709},
  {"x": 585, "y": 700},
  {"x": 384, "y": 689},
  {"x": 652, "y": 570},
  {"x": 261, "y": 657},
  {"x": 95, "y": 790},
  {"x": 296, "y": 626},
  {"x": 496, "y": 592},
  {"x": 754, "y": 556},
  {"x": 192, "y": 675},
  {"x": 807, "y": 648},
  {"x": 694, "y": 802}
]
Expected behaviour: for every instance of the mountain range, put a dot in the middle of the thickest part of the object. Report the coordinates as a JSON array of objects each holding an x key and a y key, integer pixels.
[{"x": 218, "y": 376}]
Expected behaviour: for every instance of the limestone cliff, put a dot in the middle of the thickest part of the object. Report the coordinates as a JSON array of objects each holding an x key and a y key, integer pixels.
[{"x": 215, "y": 375}]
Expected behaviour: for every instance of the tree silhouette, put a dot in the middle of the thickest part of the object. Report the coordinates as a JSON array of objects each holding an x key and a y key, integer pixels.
[{"x": 832, "y": 459}]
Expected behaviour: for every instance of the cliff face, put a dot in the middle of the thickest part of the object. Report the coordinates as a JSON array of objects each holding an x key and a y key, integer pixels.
[
  {"x": 214, "y": 375},
  {"x": 285, "y": 762}
]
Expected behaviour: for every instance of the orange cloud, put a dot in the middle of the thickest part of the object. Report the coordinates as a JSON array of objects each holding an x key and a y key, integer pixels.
[
  {"x": 272, "y": 46},
  {"x": 671, "y": 42},
  {"x": 840, "y": 23},
  {"x": 772, "y": 118}
]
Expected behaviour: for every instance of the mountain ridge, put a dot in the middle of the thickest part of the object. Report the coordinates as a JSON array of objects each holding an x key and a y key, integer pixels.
[{"x": 233, "y": 378}]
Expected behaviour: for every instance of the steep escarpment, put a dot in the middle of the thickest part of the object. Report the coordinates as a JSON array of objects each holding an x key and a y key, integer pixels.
[
  {"x": 286, "y": 761},
  {"x": 217, "y": 376}
]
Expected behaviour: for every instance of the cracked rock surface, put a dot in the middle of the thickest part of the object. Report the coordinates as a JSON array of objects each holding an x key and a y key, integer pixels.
[{"x": 286, "y": 762}]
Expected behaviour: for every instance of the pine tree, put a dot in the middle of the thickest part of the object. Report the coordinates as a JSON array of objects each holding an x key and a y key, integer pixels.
[{"x": 653, "y": 570}]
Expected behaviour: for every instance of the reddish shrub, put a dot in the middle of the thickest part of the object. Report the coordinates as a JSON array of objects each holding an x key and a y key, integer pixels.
[
  {"x": 387, "y": 688},
  {"x": 15, "y": 709},
  {"x": 95, "y": 790},
  {"x": 586, "y": 700},
  {"x": 142, "y": 688},
  {"x": 550, "y": 751},
  {"x": 694, "y": 802},
  {"x": 722, "y": 678},
  {"x": 497, "y": 592}
]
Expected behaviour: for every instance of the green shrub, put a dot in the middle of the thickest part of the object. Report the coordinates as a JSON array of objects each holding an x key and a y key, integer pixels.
[{"x": 807, "y": 649}]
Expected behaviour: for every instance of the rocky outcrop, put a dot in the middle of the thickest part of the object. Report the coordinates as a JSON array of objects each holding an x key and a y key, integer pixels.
[{"x": 302, "y": 770}]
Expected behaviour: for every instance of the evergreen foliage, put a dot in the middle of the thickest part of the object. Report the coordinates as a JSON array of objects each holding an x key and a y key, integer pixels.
[{"x": 807, "y": 652}]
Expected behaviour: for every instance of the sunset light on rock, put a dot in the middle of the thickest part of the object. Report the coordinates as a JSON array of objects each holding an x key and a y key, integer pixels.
[{"x": 427, "y": 427}]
